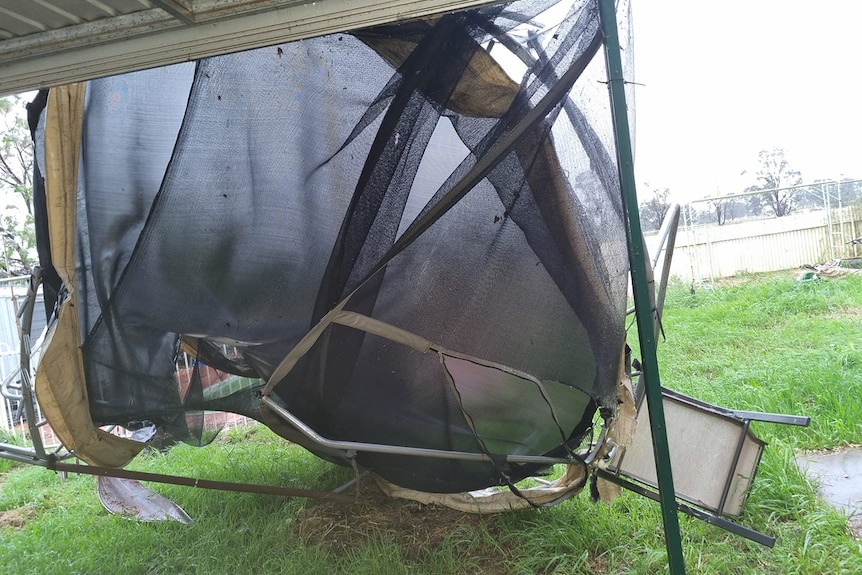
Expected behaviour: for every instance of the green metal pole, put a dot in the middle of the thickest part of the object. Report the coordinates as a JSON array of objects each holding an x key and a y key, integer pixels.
[{"x": 643, "y": 307}]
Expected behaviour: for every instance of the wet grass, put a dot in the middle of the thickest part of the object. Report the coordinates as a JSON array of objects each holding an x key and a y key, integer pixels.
[
  {"x": 764, "y": 343},
  {"x": 10, "y": 438}
]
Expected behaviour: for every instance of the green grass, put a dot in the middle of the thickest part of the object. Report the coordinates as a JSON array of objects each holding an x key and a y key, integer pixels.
[
  {"x": 766, "y": 343},
  {"x": 772, "y": 344},
  {"x": 10, "y": 438}
]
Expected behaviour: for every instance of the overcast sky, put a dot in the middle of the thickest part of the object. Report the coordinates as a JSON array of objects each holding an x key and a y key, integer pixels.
[{"x": 726, "y": 79}]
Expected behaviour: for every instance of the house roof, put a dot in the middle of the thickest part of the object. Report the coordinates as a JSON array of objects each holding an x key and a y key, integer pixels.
[{"x": 51, "y": 42}]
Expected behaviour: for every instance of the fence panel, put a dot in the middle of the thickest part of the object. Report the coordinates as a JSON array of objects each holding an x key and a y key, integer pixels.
[{"x": 705, "y": 253}]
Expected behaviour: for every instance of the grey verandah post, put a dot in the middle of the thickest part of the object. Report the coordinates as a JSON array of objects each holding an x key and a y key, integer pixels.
[{"x": 643, "y": 306}]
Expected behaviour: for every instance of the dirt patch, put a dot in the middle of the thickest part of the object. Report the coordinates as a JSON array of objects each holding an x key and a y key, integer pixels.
[
  {"x": 414, "y": 527},
  {"x": 844, "y": 313},
  {"x": 16, "y": 518}
]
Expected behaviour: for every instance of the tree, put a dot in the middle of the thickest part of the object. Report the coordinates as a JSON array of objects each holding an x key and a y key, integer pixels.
[
  {"x": 653, "y": 210},
  {"x": 850, "y": 189},
  {"x": 774, "y": 173},
  {"x": 719, "y": 209},
  {"x": 17, "y": 232}
]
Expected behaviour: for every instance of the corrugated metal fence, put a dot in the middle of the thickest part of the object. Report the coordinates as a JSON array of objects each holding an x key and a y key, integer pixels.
[
  {"x": 705, "y": 253},
  {"x": 13, "y": 292}
]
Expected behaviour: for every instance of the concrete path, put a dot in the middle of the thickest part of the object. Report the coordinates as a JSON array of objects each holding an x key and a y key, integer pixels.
[{"x": 838, "y": 474}]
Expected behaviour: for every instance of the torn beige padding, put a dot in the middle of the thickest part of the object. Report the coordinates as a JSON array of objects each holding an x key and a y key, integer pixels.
[
  {"x": 485, "y": 90},
  {"x": 620, "y": 434},
  {"x": 60, "y": 386},
  {"x": 62, "y": 395},
  {"x": 493, "y": 500},
  {"x": 63, "y": 127},
  {"x": 622, "y": 430},
  {"x": 608, "y": 490}
]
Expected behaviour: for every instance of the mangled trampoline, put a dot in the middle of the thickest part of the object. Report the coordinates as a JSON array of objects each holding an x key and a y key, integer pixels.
[
  {"x": 409, "y": 244},
  {"x": 407, "y": 240}
]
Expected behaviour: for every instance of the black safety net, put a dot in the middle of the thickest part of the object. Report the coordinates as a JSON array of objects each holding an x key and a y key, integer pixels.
[{"x": 451, "y": 177}]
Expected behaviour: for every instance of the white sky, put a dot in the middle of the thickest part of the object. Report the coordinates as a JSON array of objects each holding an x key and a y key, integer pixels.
[{"x": 726, "y": 79}]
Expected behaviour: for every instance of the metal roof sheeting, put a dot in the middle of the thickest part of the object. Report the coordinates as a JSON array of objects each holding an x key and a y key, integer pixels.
[{"x": 51, "y": 42}]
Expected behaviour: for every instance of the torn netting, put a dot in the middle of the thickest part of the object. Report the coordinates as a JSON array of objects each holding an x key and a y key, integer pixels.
[{"x": 233, "y": 203}]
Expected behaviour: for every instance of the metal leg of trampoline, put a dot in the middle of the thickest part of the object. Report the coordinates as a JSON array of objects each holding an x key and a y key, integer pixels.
[{"x": 37, "y": 454}]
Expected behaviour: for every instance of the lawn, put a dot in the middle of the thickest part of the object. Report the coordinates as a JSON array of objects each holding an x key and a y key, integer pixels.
[{"x": 766, "y": 343}]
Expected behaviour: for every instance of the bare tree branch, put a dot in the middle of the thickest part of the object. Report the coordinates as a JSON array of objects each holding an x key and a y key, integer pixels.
[
  {"x": 7, "y": 174},
  {"x": 17, "y": 234},
  {"x": 655, "y": 208}
]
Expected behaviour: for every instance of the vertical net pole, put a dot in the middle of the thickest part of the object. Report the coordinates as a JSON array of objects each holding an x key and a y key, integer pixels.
[
  {"x": 643, "y": 311},
  {"x": 26, "y": 324}
]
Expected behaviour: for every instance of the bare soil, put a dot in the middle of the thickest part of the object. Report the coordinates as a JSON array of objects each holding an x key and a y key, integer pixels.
[
  {"x": 415, "y": 528},
  {"x": 16, "y": 518}
]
